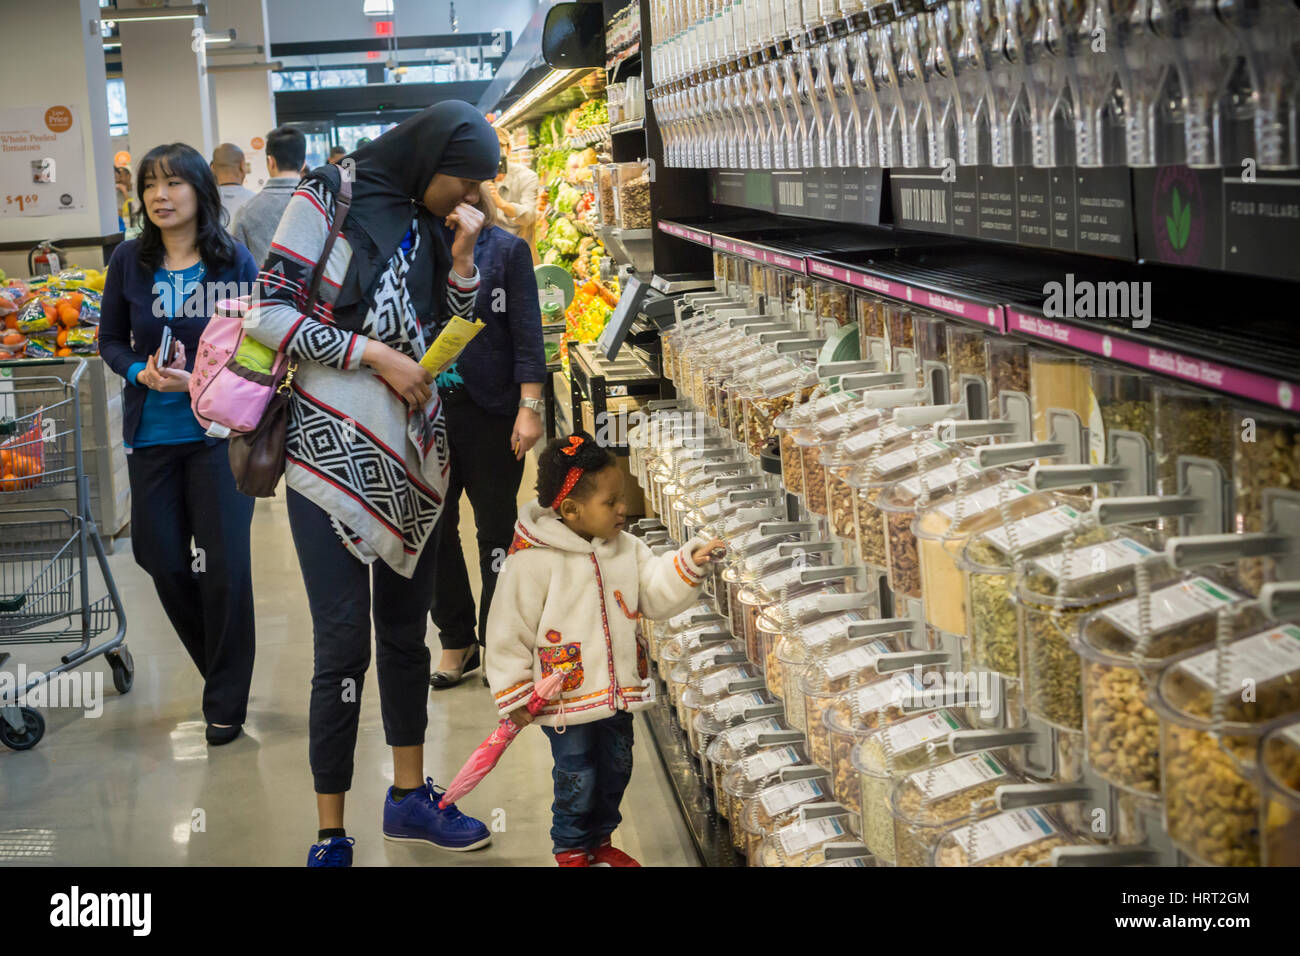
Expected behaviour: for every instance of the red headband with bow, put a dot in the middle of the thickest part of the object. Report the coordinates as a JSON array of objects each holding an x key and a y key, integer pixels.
[{"x": 575, "y": 473}]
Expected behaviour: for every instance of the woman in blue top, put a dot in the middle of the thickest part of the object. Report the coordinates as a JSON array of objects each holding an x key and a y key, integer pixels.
[{"x": 182, "y": 490}]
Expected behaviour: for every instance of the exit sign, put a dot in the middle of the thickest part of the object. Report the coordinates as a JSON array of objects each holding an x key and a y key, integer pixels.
[{"x": 384, "y": 28}]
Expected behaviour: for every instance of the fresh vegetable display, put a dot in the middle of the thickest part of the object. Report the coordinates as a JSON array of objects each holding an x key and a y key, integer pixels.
[{"x": 51, "y": 315}]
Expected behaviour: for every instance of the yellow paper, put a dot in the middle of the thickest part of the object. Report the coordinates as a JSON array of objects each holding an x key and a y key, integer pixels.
[{"x": 451, "y": 341}]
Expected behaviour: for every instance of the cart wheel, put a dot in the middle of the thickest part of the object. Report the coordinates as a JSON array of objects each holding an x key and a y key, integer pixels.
[
  {"x": 123, "y": 665},
  {"x": 29, "y": 736}
]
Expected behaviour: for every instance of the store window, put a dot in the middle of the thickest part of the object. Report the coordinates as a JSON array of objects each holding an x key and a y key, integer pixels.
[
  {"x": 289, "y": 80},
  {"x": 350, "y": 135},
  {"x": 117, "y": 107},
  {"x": 329, "y": 79},
  {"x": 283, "y": 80}
]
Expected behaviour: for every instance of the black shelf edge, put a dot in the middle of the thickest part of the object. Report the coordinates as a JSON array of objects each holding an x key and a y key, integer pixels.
[{"x": 708, "y": 832}]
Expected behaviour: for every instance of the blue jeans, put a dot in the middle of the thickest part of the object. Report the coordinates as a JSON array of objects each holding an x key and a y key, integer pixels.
[{"x": 593, "y": 765}]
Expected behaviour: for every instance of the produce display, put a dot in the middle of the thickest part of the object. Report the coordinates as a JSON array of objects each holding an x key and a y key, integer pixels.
[
  {"x": 572, "y": 202},
  {"x": 51, "y": 315}
]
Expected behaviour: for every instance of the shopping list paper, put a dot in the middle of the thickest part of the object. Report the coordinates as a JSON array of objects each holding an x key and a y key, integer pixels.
[{"x": 451, "y": 341}]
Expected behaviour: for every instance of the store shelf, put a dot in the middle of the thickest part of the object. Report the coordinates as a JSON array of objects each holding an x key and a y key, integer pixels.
[
  {"x": 1187, "y": 338},
  {"x": 589, "y": 137},
  {"x": 686, "y": 232},
  {"x": 557, "y": 90},
  {"x": 631, "y": 126},
  {"x": 708, "y": 832}
]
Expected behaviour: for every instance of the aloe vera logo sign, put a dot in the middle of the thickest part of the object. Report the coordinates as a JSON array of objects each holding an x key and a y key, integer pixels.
[{"x": 1178, "y": 216}]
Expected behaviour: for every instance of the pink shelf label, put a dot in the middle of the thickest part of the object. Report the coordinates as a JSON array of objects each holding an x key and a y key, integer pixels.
[
  {"x": 682, "y": 232},
  {"x": 990, "y": 315},
  {"x": 1234, "y": 381}
]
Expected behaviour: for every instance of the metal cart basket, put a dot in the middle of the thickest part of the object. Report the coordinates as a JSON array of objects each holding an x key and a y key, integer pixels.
[{"x": 45, "y": 549}]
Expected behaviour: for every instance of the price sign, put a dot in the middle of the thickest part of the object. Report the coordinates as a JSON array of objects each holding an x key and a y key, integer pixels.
[{"x": 42, "y": 161}]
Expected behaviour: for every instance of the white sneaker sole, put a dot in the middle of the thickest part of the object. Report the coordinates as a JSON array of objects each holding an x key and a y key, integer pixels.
[{"x": 438, "y": 846}]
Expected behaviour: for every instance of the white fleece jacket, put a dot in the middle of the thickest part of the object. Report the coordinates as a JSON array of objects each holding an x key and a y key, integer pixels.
[{"x": 563, "y": 603}]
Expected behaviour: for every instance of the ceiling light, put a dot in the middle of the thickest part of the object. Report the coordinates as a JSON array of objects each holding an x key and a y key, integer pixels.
[
  {"x": 245, "y": 67},
  {"x": 377, "y": 8},
  {"x": 545, "y": 87},
  {"x": 151, "y": 13}
]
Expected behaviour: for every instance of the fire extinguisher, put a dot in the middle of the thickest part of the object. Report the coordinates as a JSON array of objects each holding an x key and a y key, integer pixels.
[{"x": 45, "y": 259}]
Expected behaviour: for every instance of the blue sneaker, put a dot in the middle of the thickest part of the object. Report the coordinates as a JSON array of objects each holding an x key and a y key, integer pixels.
[
  {"x": 336, "y": 851},
  {"x": 417, "y": 819}
]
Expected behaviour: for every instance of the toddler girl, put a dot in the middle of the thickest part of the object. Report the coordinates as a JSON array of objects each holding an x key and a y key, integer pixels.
[{"x": 567, "y": 600}]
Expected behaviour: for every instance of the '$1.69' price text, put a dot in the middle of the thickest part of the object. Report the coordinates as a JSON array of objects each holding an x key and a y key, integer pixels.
[{"x": 23, "y": 201}]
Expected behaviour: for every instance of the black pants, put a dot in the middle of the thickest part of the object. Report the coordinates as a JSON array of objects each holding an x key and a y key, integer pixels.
[
  {"x": 484, "y": 467},
  {"x": 184, "y": 493},
  {"x": 339, "y": 589}
]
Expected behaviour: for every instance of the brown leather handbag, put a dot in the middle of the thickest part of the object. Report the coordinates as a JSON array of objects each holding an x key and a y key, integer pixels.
[{"x": 257, "y": 458}]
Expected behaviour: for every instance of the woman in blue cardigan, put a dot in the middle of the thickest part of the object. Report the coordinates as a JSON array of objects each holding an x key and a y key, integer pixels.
[
  {"x": 182, "y": 490},
  {"x": 492, "y": 400}
]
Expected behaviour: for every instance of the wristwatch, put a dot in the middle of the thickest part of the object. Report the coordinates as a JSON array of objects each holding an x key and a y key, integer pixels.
[{"x": 536, "y": 404}]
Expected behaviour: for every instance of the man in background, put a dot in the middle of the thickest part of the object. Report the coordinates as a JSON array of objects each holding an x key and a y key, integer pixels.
[
  {"x": 336, "y": 155},
  {"x": 230, "y": 168},
  {"x": 128, "y": 206},
  {"x": 286, "y": 150},
  {"x": 514, "y": 193}
]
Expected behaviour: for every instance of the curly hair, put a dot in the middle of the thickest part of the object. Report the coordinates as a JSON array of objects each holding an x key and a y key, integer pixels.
[{"x": 553, "y": 467}]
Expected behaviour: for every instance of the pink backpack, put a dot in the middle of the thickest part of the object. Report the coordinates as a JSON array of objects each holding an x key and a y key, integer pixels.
[{"x": 228, "y": 398}]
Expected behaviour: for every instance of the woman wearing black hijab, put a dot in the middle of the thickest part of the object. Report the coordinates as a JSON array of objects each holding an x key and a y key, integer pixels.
[{"x": 366, "y": 451}]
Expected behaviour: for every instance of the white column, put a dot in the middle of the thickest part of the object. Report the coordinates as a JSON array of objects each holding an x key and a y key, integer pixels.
[
  {"x": 167, "y": 98},
  {"x": 245, "y": 105},
  {"x": 58, "y": 31}
]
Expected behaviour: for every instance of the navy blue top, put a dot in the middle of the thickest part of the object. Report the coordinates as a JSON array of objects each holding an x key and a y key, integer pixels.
[
  {"x": 167, "y": 418},
  {"x": 509, "y": 350},
  {"x": 130, "y": 331}
]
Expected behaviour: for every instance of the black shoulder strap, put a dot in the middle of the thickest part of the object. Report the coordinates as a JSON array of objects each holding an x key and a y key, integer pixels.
[{"x": 342, "y": 203}]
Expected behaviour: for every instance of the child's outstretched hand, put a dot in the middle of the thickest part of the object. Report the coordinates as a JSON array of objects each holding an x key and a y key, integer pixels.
[
  {"x": 522, "y": 717},
  {"x": 704, "y": 554}
]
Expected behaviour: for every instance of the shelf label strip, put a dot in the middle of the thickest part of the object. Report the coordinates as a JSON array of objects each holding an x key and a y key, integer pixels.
[
  {"x": 1234, "y": 381},
  {"x": 682, "y": 232},
  {"x": 990, "y": 315}
]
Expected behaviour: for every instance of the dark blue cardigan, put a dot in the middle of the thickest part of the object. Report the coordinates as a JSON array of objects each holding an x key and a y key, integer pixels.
[
  {"x": 509, "y": 350},
  {"x": 129, "y": 332}
]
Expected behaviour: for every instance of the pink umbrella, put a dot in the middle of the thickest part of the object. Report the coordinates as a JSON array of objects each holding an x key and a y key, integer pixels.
[{"x": 486, "y": 755}]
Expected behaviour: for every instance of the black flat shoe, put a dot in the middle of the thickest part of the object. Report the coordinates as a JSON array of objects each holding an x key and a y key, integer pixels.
[
  {"x": 441, "y": 680},
  {"x": 223, "y": 735}
]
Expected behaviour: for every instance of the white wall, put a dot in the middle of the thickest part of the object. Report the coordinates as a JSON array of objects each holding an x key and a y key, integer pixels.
[
  {"x": 57, "y": 31},
  {"x": 167, "y": 97},
  {"x": 306, "y": 20},
  {"x": 244, "y": 103}
]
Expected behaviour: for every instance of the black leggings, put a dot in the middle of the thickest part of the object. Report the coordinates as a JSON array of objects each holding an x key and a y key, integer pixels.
[{"x": 339, "y": 591}]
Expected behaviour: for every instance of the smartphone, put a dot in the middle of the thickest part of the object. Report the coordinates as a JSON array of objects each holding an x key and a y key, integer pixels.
[
  {"x": 166, "y": 348},
  {"x": 503, "y": 166}
]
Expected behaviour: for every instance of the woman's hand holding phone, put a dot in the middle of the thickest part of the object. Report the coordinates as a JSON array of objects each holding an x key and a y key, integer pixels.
[
  {"x": 173, "y": 378},
  {"x": 408, "y": 377}
]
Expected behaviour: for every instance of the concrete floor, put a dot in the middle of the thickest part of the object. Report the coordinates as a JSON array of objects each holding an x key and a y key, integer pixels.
[{"x": 138, "y": 785}]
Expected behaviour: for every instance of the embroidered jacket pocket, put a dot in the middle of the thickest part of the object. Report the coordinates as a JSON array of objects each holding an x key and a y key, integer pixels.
[{"x": 567, "y": 659}]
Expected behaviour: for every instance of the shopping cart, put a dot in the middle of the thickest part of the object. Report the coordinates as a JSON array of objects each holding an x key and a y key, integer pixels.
[{"x": 45, "y": 581}]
